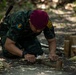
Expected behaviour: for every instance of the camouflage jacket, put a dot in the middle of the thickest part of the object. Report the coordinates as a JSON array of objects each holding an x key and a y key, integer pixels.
[{"x": 19, "y": 29}]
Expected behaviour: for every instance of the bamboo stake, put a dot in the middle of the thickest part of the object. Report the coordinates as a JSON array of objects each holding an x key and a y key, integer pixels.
[{"x": 66, "y": 47}]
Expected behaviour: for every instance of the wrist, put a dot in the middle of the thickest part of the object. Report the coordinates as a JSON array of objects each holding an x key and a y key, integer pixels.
[
  {"x": 24, "y": 53},
  {"x": 52, "y": 52}
]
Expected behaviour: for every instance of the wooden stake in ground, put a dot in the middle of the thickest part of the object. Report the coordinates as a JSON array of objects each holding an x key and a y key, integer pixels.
[
  {"x": 73, "y": 44},
  {"x": 66, "y": 48},
  {"x": 59, "y": 64}
]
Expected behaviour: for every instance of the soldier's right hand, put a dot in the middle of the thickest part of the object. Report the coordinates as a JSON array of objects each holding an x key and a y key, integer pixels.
[{"x": 30, "y": 58}]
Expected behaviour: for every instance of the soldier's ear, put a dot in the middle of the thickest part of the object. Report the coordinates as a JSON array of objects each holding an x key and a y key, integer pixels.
[{"x": 29, "y": 21}]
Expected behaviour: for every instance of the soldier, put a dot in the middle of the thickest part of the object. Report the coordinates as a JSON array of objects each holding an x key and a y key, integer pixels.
[{"x": 21, "y": 38}]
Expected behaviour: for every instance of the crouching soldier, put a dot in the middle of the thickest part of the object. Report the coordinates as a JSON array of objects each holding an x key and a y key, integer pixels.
[{"x": 21, "y": 38}]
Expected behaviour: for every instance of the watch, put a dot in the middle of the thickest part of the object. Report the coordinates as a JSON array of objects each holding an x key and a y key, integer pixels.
[{"x": 24, "y": 53}]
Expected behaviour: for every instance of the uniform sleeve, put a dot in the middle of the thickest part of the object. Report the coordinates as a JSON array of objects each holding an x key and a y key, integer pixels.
[
  {"x": 49, "y": 31},
  {"x": 13, "y": 32},
  {"x": 15, "y": 28}
]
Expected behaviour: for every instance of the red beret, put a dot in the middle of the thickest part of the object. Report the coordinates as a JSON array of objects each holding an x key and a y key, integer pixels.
[{"x": 39, "y": 19}]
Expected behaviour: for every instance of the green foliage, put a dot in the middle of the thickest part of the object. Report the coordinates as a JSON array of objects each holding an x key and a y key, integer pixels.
[
  {"x": 1, "y": 16},
  {"x": 24, "y": 5},
  {"x": 3, "y": 4},
  {"x": 29, "y": 5},
  {"x": 74, "y": 2},
  {"x": 75, "y": 9}
]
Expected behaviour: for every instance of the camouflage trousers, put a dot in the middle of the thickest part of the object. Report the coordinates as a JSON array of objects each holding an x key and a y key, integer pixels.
[{"x": 32, "y": 46}]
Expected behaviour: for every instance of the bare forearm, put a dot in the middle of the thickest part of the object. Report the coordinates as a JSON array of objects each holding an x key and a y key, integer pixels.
[
  {"x": 52, "y": 45},
  {"x": 10, "y": 46},
  {"x": 14, "y": 50}
]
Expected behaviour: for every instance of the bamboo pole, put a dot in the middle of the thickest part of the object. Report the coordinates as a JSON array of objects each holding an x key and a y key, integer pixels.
[
  {"x": 66, "y": 48},
  {"x": 73, "y": 48},
  {"x": 72, "y": 42}
]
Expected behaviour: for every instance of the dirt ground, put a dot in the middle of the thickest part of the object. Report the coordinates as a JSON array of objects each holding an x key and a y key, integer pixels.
[{"x": 64, "y": 22}]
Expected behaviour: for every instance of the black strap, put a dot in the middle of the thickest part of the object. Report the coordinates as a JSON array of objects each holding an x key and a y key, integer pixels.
[
  {"x": 24, "y": 53},
  {"x": 9, "y": 9}
]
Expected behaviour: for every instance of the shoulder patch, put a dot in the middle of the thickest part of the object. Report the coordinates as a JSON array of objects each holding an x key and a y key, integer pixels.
[
  {"x": 49, "y": 25},
  {"x": 19, "y": 26}
]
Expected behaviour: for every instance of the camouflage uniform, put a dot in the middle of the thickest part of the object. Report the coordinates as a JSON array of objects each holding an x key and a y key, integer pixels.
[{"x": 19, "y": 31}]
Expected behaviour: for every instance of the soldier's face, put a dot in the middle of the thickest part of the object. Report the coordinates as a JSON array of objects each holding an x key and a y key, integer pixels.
[{"x": 34, "y": 29}]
